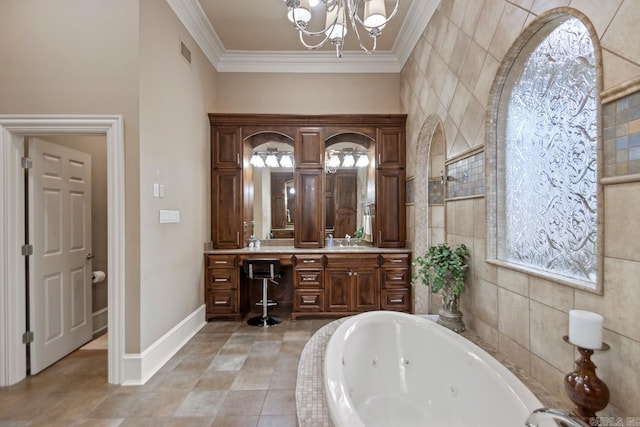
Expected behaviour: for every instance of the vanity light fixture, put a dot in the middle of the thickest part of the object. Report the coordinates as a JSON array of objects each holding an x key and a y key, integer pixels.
[
  {"x": 363, "y": 161},
  {"x": 256, "y": 161},
  {"x": 370, "y": 15},
  {"x": 285, "y": 161},
  {"x": 348, "y": 161},
  {"x": 334, "y": 161},
  {"x": 272, "y": 161}
]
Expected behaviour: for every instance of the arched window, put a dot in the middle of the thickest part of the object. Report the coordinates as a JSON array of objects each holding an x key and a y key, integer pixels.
[{"x": 546, "y": 168}]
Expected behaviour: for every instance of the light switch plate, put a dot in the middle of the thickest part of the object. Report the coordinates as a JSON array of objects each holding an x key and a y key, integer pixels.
[{"x": 169, "y": 216}]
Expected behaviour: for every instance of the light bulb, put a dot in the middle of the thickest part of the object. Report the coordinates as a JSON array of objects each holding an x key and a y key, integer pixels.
[
  {"x": 334, "y": 161},
  {"x": 256, "y": 161},
  {"x": 272, "y": 161},
  {"x": 348, "y": 161},
  {"x": 285, "y": 161},
  {"x": 363, "y": 161},
  {"x": 374, "y": 14}
]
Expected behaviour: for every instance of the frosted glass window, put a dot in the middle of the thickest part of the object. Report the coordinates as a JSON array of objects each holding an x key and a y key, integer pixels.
[{"x": 547, "y": 148}]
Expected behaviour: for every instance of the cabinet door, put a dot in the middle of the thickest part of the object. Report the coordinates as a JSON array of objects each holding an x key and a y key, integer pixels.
[
  {"x": 390, "y": 144},
  {"x": 338, "y": 289},
  {"x": 390, "y": 209},
  {"x": 226, "y": 147},
  {"x": 366, "y": 286},
  {"x": 226, "y": 208},
  {"x": 309, "y": 213},
  {"x": 309, "y": 148}
]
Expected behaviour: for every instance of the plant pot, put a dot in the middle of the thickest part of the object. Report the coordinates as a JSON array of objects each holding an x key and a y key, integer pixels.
[{"x": 451, "y": 320}]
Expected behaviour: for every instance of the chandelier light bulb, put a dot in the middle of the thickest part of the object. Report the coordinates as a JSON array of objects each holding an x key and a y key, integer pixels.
[
  {"x": 334, "y": 161},
  {"x": 300, "y": 14},
  {"x": 375, "y": 14},
  {"x": 336, "y": 30}
]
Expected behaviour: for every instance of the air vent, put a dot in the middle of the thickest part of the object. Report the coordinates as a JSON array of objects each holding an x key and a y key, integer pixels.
[{"x": 185, "y": 52}]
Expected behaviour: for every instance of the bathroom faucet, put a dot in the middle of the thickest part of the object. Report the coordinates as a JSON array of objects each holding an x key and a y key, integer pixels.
[
  {"x": 348, "y": 239},
  {"x": 555, "y": 414}
]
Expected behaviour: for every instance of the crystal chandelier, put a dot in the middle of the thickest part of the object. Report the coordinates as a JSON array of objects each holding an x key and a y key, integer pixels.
[{"x": 370, "y": 15}]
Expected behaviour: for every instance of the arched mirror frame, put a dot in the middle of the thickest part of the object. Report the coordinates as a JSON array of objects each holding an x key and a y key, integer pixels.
[
  {"x": 347, "y": 212},
  {"x": 262, "y": 200}
]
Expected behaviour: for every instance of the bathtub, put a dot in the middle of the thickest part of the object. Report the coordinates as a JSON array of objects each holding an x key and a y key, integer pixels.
[{"x": 388, "y": 369}]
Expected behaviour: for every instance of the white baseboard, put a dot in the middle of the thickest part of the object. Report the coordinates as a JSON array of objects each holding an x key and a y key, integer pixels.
[{"x": 139, "y": 367}]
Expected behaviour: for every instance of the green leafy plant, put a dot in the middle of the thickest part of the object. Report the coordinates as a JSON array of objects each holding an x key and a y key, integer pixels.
[
  {"x": 441, "y": 267},
  {"x": 359, "y": 234}
]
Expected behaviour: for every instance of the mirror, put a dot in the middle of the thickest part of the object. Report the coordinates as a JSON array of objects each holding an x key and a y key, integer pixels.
[
  {"x": 350, "y": 186},
  {"x": 273, "y": 189}
]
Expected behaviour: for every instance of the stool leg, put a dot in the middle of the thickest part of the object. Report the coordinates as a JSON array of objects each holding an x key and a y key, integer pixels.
[
  {"x": 264, "y": 299},
  {"x": 265, "y": 320}
]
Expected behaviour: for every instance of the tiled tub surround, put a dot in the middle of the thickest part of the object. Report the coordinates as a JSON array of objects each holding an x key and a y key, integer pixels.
[
  {"x": 621, "y": 122},
  {"x": 465, "y": 177},
  {"x": 310, "y": 396},
  {"x": 449, "y": 76}
]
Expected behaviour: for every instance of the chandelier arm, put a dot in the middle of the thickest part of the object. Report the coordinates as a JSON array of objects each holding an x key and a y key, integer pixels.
[
  {"x": 362, "y": 46},
  {"x": 313, "y": 46}
]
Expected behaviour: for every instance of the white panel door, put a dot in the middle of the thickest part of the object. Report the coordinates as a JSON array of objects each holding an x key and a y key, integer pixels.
[{"x": 60, "y": 267}]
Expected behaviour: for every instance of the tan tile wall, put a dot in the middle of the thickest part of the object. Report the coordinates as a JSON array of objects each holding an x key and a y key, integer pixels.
[{"x": 450, "y": 74}]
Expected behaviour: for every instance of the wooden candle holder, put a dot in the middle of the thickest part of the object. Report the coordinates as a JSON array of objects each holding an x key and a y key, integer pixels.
[{"x": 588, "y": 393}]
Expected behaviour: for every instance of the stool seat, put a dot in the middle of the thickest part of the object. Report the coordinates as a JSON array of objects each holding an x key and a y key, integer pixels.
[{"x": 267, "y": 269}]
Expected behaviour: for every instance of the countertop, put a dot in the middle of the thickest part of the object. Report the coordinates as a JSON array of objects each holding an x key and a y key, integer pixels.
[{"x": 267, "y": 249}]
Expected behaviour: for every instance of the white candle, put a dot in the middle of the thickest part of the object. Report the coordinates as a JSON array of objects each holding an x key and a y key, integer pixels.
[{"x": 585, "y": 329}]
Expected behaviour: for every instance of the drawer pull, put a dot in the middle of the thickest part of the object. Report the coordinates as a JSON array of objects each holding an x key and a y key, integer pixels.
[
  {"x": 396, "y": 300},
  {"x": 220, "y": 280},
  {"x": 308, "y": 279},
  {"x": 221, "y": 262},
  {"x": 220, "y": 303},
  {"x": 308, "y": 261},
  {"x": 396, "y": 261},
  {"x": 396, "y": 278}
]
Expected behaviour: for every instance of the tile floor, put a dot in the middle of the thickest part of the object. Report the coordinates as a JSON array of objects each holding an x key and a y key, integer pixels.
[{"x": 230, "y": 374}]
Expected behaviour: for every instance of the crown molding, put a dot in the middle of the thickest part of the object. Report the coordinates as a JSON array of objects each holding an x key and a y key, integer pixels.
[
  {"x": 307, "y": 62},
  {"x": 194, "y": 19},
  {"x": 192, "y": 16}
]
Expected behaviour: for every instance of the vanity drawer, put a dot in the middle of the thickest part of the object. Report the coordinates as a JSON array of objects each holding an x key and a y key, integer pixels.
[
  {"x": 309, "y": 278},
  {"x": 352, "y": 260},
  {"x": 221, "y": 261},
  {"x": 396, "y": 300},
  {"x": 223, "y": 278},
  {"x": 305, "y": 261},
  {"x": 308, "y": 301},
  {"x": 221, "y": 302},
  {"x": 395, "y": 278},
  {"x": 394, "y": 260}
]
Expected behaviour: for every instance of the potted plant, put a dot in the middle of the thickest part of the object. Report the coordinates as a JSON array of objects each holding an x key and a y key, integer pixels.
[{"x": 444, "y": 269}]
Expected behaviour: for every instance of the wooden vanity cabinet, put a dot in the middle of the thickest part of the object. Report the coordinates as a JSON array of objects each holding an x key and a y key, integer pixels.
[
  {"x": 222, "y": 294},
  {"x": 352, "y": 283},
  {"x": 396, "y": 282},
  {"x": 231, "y": 182},
  {"x": 308, "y": 284}
]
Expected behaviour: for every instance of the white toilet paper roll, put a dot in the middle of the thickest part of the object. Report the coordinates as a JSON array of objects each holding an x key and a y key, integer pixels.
[{"x": 98, "y": 276}]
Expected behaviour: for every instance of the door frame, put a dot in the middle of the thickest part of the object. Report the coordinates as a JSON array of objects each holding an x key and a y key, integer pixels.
[{"x": 13, "y": 130}]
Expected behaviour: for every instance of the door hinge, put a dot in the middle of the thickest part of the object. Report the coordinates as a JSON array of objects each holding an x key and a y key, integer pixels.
[
  {"x": 27, "y": 162},
  {"x": 27, "y": 250},
  {"x": 27, "y": 337}
]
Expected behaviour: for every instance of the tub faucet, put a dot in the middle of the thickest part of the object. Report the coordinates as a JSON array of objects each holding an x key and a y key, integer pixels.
[{"x": 555, "y": 414}]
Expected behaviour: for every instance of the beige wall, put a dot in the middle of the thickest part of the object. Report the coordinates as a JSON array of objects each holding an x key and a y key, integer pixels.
[
  {"x": 79, "y": 57},
  {"x": 450, "y": 74},
  {"x": 175, "y": 98},
  {"x": 308, "y": 93},
  {"x": 122, "y": 57}
]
